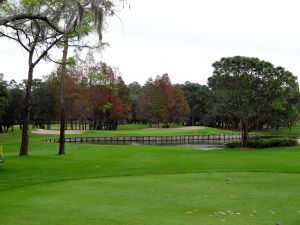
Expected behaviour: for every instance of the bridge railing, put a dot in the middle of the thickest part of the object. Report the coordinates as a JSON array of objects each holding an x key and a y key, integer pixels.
[{"x": 153, "y": 139}]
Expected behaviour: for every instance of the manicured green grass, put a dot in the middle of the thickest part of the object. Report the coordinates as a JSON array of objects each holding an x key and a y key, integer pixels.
[
  {"x": 144, "y": 130},
  {"x": 154, "y": 132},
  {"x": 139, "y": 126},
  {"x": 135, "y": 185},
  {"x": 132, "y": 126},
  {"x": 284, "y": 131},
  {"x": 204, "y": 198}
]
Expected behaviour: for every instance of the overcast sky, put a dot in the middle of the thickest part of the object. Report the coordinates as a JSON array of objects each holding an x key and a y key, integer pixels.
[{"x": 184, "y": 38}]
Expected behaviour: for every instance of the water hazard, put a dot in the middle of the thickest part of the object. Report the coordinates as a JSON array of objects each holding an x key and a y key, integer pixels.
[
  {"x": 201, "y": 145},
  {"x": 205, "y": 142}
]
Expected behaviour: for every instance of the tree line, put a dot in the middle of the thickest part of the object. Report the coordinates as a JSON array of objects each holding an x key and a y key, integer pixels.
[
  {"x": 242, "y": 94},
  {"x": 96, "y": 97}
]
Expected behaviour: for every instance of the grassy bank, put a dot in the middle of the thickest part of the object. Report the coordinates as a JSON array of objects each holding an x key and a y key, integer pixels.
[
  {"x": 133, "y": 185},
  {"x": 282, "y": 131}
]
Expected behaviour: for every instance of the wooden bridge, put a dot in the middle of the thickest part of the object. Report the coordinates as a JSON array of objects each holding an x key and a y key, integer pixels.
[{"x": 210, "y": 138}]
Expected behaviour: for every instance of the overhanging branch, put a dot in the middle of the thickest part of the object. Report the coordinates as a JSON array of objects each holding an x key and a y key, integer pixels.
[{"x": 6, "y": 20}]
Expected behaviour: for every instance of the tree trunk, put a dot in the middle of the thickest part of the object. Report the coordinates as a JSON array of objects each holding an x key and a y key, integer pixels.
[
  {"x": 71, "y": 124},
  {"x": 62, "y": 96},
  {"x": 193, "y": 118},
  {"x": 27, "y": 106},
  {"x": 245, "y": 136}
]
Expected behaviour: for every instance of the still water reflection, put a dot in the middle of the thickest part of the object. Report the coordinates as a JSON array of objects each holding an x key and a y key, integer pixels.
[{"x": 203, "y": 145}]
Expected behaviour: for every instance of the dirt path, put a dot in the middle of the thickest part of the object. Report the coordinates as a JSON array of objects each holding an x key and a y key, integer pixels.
[{"x": 42, "y": 131}]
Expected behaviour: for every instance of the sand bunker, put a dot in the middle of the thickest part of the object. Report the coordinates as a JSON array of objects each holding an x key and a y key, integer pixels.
[
  {"x": 42, "y": 131},
  {"x": 181, "y": 128},
  {"x": 191, "y": 128}
]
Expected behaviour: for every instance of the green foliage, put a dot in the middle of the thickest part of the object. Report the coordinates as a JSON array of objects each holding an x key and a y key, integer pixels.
[
  {"x": 134, "y": 90},
  {"x": 71, "y": 61},
  {"x": 5, "y": 8},
  {"x": 1, "y": 155},
  {"x": 265, "y": 143},
  {"x": 95, "y": 76},
  {"x": 13, "y": 111},
  {"x": 30, "y": 3},
  {"x": 199, "y": 98},
  {"x": 107, "y": 106},
  {"x": 234, "y": 144},
  {"x": 3, "y": 97},
  {"x": 250, "y": 93},
  {"x": 43, "y": 103},
  {"x": 122, "y": 91},
  {"x": 271, "y": 142}
]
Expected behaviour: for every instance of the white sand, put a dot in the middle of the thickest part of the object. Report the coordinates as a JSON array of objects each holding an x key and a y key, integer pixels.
[
  {"x": 42, "y": 131},
  {"x": 191, "y": 128},
  {"x": 181, "y": 128}
]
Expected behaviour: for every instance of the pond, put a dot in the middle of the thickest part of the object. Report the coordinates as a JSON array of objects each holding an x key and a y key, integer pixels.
[{"x": 201, "y": 145}]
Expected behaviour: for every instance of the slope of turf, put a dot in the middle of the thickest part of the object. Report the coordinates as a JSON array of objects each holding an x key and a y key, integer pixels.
[
  {"x": 144, "y": 130},
  {"x": 205, "y": 198},
  {"x": 134, "y": 185},
  {"x": 154, "y": 132},
  {"x": 283, "y": 131}
]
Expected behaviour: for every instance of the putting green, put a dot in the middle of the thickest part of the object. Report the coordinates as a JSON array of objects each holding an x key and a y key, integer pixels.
[{"x": 208, "y": 198}]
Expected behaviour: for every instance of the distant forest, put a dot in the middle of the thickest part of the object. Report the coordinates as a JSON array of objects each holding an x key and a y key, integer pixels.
[{"x": 242, "y": 92}]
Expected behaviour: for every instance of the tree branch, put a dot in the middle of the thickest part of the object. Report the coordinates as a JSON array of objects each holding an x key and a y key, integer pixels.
[
  {"x": 17, "y": 39},
  {"x": 45, "y": 52},
  {"x": 6, "y": 20}
]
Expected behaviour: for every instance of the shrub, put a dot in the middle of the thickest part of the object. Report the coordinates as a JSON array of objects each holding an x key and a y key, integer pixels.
[
  {"x": 233, "y": 144},
  {"x": 1, "y": 155},
  {"x": 265, "y": 143},
  {"x": 271, "y": 142}
]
